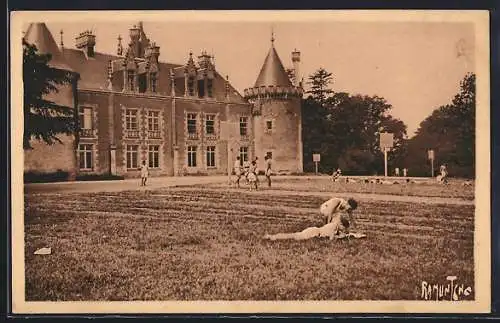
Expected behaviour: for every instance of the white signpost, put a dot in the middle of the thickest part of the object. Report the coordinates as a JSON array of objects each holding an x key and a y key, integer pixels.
[
  {"x": 430, "y": 156},
  {"x": 228, "y": 133},
  {"x": 316, "y": 160},
  {"x": 386, "y": 143}
]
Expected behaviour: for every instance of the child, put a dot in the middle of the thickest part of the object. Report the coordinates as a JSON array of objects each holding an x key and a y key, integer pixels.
[
  {"x": 237, "y": 170},
  {"x": 328, "y": 230},
  {"x": 144, "y": 173},
  {"x": 252, "y": 175},
  {"x": 335, "y": 207},
  {"x": 336, "y": 175},
  {"x": 268, "y": 162}
]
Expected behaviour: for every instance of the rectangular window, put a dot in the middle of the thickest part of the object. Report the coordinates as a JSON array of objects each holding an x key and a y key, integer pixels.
[
  {"x": 210, "y": 124},
  {"x": 153, "y": 120},
  {"x": 211, "y": 156},
  {"x": 201, "y": 88},
  {"x": 190, "y": 84},
  {"x": 209, "y": 88},
  {"x": 85, "y": 152},
  {"x": 132, "y": 156},
  {"x": 131, "y": 119},
  {"x": 153, "y": 82},
  {"x": 269, "y": 125},
  {"x": 85, "y": 114},
  {"x": 243, "y": 126},
  {"x": 191, "y": 123},
  {"x": 192, "y": 156},
  {"x": 154, "y": 156},
  {"x": 131, "y": 80},
  {"x": 243, "y": 154}
]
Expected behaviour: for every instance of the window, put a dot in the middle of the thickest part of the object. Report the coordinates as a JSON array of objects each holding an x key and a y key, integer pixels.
[
  {"x": 201, "y": 88},
  {"x": 269, "y": 125},
  {"x": 191, "y": 156},
  {"x": 243, "y": 126},
  {"x": 131, "y": 80},
  {"x": 211, "y": 156},
  {"x": 210, "y": 124},
  {"x": 85, "y": 117},
  {"x": 142, "y": 83},
  {"x": 209, "y": 88},
  {"x": 191, "y": 123},
  {"x": 132, "y": 156},
  {"x": 243, "y": 154},
  {"x": 131, "y": 119},
  {"x": 154, "y": 156},
  {"x": 85, "y": 152},
  {"x": 191, "y": 86},
  {"x": 153, "y": 120},
  {"x": 153, "y": 80}
]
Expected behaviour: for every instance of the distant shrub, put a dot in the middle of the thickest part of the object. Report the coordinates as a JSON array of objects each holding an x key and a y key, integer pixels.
[
  {"x": 99, "y": 177},
  {"x": 38, "y": 177}
]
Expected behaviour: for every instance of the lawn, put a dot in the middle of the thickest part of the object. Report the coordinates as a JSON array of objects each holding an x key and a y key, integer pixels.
[
  {"x": 430, "y": 188},
  {"x": 197, "y": 243}
]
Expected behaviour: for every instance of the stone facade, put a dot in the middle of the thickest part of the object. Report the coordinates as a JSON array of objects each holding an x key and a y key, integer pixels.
[{"x": 134, "y": 108}]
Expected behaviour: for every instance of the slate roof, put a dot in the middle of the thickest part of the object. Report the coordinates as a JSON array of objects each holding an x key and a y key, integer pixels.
[{"x": 272, "y": 71}]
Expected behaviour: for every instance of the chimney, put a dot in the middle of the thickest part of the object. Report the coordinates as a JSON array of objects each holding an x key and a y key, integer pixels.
[
  {"x": 296, "y": 65},
  {"x": 86, "y": 42}
]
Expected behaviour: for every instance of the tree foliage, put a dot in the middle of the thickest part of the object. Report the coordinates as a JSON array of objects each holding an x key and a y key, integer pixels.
[
  {"x": 44, "y": 119},
  {"x": 345, "y": 129},
  {"x": 319, "y": 83},
  {"x": 450, "y": 132}
]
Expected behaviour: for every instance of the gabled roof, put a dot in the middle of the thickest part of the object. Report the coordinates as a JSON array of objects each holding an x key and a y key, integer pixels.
[
  {"x": 272, "y": 72},
  {"x": 39, "y": 35}
]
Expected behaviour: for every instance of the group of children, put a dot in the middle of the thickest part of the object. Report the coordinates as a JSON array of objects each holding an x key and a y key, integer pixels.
[{"x": 249, "y": 171}]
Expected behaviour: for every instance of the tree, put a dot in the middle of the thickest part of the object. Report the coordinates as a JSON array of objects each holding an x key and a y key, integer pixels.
[
  {"x": 291, "y": 74},
  {"x": 320, "y": 83},
  {"x": 450, "y": 132},
  {"x": 44, "y": 119}
]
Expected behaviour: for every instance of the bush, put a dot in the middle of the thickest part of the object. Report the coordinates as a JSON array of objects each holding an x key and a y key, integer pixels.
[
  {"x": 37, "y": 177},
  {"x": 99, "y": 177}
]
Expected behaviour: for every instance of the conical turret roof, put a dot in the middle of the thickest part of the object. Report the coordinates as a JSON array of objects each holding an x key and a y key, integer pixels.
[
  {"x": 272, "y": 72},
  {"x": 39, "y": 35}
]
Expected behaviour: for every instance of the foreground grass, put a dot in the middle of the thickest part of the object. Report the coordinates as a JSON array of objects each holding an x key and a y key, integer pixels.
[{"x": 199, "y": 244}]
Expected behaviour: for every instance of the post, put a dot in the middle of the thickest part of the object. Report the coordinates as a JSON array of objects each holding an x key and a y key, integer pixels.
[
  {"x": 316, "y": 163},
  {"x": 432, "y": 167},
  {"x": 385, "y": 162}
]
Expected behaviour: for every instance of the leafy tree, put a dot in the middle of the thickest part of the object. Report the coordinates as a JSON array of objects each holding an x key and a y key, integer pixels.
[
  {"x": 320, "y": 83},
  {"x": 44, "y": 119},
  {"x": 450, "y": 132},
  {"x": 291, "y": 74}
]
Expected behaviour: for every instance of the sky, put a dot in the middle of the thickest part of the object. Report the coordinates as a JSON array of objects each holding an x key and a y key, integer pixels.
[{"x": 416, "y": 66}]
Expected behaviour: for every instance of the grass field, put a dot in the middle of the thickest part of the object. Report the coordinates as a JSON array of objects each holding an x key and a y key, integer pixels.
[{"x": 196, "y": 243}]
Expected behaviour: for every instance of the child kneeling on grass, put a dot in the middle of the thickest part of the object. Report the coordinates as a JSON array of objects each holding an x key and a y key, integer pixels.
[{"x": 337, "y": 224}]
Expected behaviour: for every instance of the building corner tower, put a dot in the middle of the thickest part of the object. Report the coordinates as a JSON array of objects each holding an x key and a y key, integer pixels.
[{"x": 277, "y": 116}]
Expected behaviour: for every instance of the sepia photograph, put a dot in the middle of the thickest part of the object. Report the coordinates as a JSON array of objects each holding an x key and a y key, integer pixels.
[{"x": 250, "y": 162}]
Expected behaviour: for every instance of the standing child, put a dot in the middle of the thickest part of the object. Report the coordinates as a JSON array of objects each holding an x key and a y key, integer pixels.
[
  {"x": 268, "y": 162},
  {"x": 237, "y": 170},
  {"x": 144, "y": 173},
  {"x": 405, "y": 172},
  {"x": 252, "y": 176}
]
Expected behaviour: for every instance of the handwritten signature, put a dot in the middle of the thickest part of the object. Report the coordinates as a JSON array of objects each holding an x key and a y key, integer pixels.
[{"x": 451, "y": 290}]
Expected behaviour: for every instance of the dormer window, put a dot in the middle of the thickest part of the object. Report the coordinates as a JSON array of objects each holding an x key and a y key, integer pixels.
[
  {"x": 153, "y": 81},
  {"x": 190, "y": 85},
  {"x": 131, "y": 80},
  {"x": 210, "y": 93},
  {"x": 142, "y": 83},
  {"x": 201, "y": 88}
]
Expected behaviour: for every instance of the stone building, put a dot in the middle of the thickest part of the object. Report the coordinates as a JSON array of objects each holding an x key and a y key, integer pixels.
[{"x": 132, "y": 107}]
